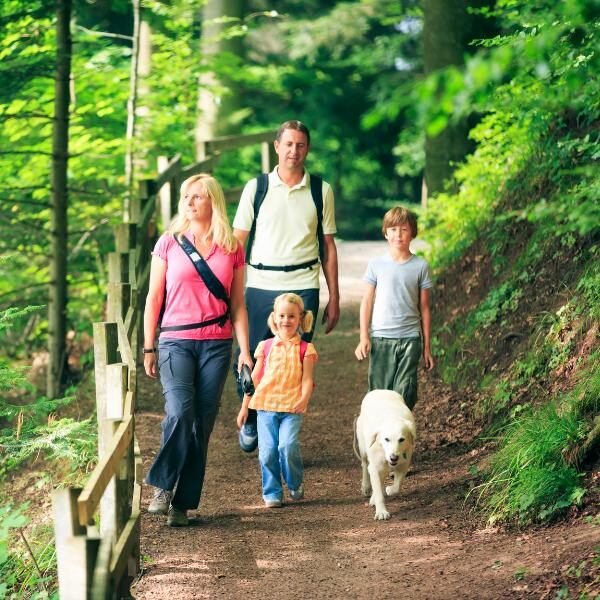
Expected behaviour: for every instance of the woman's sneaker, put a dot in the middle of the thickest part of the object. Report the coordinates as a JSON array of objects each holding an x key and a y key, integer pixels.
[
  {"x": 297, "y": 494},
  {"x": 248, "y": 437},
  {"x": 160, "y": 502},
  {"x": 273, "y": 503},
  {"x": 177, "y": 518}
]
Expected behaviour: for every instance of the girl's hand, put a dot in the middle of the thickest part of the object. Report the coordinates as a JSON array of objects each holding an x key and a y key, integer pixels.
[
  {"x": 150, "y": 364},
  {"x": 242, "y": 417},
  {"x": 363, "y": 349},
  {"x": 300, "y": 408}
]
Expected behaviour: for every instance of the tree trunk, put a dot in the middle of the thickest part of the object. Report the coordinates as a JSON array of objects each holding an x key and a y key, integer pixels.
[
  {"x": 446, "y": 26},
  {"x": 217, "y": 98},
  {"x": 57, "y": 305},
  {"x": 131, "y": 107}
]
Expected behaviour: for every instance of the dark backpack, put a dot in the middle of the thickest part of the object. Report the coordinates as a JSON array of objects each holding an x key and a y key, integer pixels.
[{"x": 316, "y": 191}]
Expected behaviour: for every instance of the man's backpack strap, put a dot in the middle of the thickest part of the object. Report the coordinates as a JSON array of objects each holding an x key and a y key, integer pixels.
[
  {"x": 262, "y": 186},
  {"x": 316, "y": 190}
]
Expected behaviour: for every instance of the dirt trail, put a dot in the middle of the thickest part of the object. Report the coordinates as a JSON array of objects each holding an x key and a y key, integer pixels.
[{"x": 328, "y": 545}]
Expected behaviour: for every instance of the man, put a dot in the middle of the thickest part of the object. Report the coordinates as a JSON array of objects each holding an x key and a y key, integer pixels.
[{"x": 284, "y": 256}]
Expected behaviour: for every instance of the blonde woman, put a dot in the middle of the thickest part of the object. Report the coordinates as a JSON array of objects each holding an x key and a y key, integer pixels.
[{"x": 195, "y": 341}]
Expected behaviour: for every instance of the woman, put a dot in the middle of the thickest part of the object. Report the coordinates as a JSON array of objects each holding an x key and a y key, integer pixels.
[{"x": 195, "y": 342}]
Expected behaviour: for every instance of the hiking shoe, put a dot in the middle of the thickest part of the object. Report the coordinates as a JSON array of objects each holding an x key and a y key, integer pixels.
[
  {"x": 273, "y": 503},
  {"x": 177, "y": 518},
  {"x": 298, "y": 494},
  {"x": 160, "y": 502},
  {"x": 248, "y": 437}
]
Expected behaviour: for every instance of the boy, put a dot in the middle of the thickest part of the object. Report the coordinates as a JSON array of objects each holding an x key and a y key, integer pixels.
[{"x": 401, "y": 324}]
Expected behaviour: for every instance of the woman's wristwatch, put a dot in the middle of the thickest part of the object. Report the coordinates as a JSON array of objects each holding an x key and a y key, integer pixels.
[{"x": 149, "y": 350}]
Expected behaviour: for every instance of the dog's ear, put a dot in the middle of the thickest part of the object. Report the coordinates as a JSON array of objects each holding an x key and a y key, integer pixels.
[
  {"x": 373, "y": 438},
  {"x": 411, "y": 438}
]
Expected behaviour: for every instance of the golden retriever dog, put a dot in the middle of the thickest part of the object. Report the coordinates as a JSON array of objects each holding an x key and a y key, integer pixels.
[{"x": 385, "y": 432}]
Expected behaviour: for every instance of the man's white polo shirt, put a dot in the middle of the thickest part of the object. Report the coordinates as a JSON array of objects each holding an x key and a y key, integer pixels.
[{"x": 286, "y": 232}]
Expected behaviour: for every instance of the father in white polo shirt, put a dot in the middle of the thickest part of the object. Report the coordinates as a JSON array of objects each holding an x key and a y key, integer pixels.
[{"x": 287, "y": 250}]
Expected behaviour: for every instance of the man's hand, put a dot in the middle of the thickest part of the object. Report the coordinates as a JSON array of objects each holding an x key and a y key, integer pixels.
[{"x": 331, "y": 315}]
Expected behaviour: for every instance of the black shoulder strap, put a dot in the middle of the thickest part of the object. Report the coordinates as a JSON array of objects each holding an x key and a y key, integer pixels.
[
  {"x": 214, "y": 285},
  {"x": 262, "y": 185},
  {"x": 316, "y": 190}
]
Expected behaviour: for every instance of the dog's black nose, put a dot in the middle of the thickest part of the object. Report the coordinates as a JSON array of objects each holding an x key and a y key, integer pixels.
[{"x": 393, "y": 458}]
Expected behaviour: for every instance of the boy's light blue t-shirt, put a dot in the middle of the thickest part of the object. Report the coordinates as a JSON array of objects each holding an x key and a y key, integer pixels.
[{"x": 397, "y": 288}]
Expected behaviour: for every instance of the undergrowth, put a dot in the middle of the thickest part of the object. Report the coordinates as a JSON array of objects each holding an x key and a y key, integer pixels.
[
  {"x": 31, "y": 430},
  {"x": 528, "y": 202}
]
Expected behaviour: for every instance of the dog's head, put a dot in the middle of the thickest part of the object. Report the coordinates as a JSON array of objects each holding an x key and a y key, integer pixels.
[{"x": 397, "y": 442}]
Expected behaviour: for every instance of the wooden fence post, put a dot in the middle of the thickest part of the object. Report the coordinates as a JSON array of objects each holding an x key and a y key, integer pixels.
[
  {"x": 268, "y": 158},
  {"x": 75, "y": 552},
  {"x": 114, "y": 506},
  {"x": 118, "y": 267}
]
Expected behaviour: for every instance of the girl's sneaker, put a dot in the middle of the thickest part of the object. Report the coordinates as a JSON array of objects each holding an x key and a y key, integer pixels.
[
  {"x": 297, "y": 494},
  {"x": 273, "y": 503}
]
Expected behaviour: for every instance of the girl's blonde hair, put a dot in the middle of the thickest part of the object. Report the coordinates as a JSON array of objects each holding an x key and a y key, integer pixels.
[
  {"x": 306, "y": 316},
  {"x": 220, "y": 231}
]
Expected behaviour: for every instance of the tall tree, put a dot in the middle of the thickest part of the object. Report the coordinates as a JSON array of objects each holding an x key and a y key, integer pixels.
[
  {"x": 57, "y": 305},
  {"x": 446, "y": 23},
  {"x": 221, "y": 49},
  {"x": 131, "y": 108}
]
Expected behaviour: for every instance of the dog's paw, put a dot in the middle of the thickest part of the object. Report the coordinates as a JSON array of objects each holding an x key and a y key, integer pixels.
[
  {"x": 392, "y": 490},
  {"x": 366, "y": 489},
  {"x": 381, "y": 514}
]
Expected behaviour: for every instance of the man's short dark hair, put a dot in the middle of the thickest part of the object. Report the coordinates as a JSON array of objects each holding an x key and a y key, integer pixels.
[{"x": 298, "y": 126}]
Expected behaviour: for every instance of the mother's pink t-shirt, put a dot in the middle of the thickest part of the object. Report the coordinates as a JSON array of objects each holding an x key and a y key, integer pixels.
[{"x": 188, "y": 300}]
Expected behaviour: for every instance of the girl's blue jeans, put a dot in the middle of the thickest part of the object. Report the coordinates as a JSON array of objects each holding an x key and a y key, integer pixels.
[
  {"x": 279, "y": 452},
  {"x": 192, "y": 374}
]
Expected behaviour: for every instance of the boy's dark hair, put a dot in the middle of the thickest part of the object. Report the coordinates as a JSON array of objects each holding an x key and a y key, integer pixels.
[
  {"x": 399, "y": 216},
  {"x": 297, "y": 125}
]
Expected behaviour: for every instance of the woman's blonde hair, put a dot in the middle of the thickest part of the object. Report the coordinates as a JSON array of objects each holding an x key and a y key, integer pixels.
[
  {"x": 220, "y": 230},
  {"x": 306, "y": 316}
]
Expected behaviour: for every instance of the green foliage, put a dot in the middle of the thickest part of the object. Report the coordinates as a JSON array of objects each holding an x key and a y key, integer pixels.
[
  {"x": 529, "y": 479},
  {"x": 30, "y": 427},
  {"x": 27, "y": 560},
  {"x": 527, "y": 200}
]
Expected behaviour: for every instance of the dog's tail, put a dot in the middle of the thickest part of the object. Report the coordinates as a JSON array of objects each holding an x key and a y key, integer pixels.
[{"x": 355, "y": 440}]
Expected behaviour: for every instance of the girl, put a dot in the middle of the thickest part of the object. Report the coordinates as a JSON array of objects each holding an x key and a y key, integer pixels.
[
  {"x": 199, "y": 315},
  {"x": 283, "y": 375}
]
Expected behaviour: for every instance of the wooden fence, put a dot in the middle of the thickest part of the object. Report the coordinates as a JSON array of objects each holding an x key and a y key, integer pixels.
[{"x": 97, "y": 528}]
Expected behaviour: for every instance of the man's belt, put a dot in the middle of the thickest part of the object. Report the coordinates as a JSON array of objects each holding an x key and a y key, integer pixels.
[{"x": 286, "y": 268}]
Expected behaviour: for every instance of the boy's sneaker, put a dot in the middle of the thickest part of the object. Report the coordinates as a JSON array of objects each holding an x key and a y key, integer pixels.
[
  {"x": 160, "y": 502},
  {"x": 273, "y": 503},
  {"x": 248, "y": 437},
  {"x": 297, "y": 494},
  {"x": 177, "y": 518}
]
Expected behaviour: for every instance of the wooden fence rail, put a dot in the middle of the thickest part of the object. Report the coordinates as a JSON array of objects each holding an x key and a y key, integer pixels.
[{"x": 99, "y": 557}]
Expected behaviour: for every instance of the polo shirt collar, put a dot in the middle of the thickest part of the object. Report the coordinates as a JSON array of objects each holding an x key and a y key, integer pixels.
[{"x": 274, "y": 179}]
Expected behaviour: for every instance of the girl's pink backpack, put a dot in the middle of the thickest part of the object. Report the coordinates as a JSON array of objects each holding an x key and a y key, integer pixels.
[{"x": 269, "y": 343}]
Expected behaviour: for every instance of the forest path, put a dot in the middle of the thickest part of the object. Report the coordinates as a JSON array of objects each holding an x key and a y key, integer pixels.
[{"x": 328, "y": 545}]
